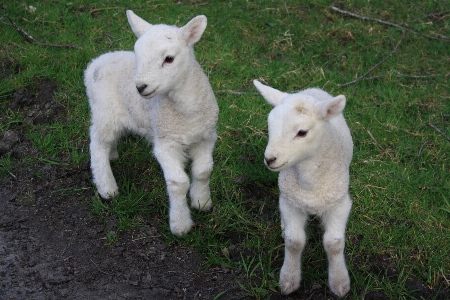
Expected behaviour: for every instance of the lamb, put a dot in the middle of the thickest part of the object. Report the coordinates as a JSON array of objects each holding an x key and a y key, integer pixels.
[
  {"x": 160, "y": 92},
  {"x": 311, "y": 146}
]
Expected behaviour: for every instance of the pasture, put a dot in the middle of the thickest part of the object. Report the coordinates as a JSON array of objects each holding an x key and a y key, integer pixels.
[{"x": 390, "y": 59}]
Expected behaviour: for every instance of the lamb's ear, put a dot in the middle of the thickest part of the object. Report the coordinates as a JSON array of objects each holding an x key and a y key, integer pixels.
[
  {"x": 138, "y": 25},
  {"x": 272, "y": 96},
  {"x": 192, "y": 31},
  {"x": 330, "y": 108}
]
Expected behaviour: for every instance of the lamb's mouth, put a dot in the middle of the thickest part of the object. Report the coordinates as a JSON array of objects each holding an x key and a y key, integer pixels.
[
  {"x": 149, "y": 94},
  {"x": 277, "y": 168}
]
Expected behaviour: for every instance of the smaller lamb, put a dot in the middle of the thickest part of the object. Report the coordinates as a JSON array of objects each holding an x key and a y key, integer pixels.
[
  {"x": 310, "y": 144},
  {"x": 160, "y": 92}
]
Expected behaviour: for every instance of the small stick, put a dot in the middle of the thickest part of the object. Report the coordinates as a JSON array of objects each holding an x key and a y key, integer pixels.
[
  {"x": 443, "y": 38},
  {"x": 27, "y": 36},
  {"x": 233, "y": 92},
  {"x": 94, "y": 10},
  {"x": 429, "y": 15},
  {"x": 445, "y": 278},
  {"x": 287, "y": 11},
  {"x": 440, "y": 131},
  {"x": 375, "y": 141},
  {"x": 371, "y": 69},
  {"x": 99, "y": 268},
  {"x": 376, "y": 187},
  {"x": 408, "y": 76},
  {"x": 421, "y": 147}
]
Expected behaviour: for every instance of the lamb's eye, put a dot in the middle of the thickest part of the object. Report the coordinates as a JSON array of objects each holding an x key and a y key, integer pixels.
[
  {"x": 169, "y": 59},
  {"x": 302, "y": 133}
]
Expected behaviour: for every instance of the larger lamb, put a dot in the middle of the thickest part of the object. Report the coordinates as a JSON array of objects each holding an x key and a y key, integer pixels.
[
  {"x": 311, "y": 146},
  {"x": 160, "y": 92}
]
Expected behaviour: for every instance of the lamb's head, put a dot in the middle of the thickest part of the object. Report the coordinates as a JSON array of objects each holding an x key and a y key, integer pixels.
[
  {"x": 164, "y": 54},
  {"x": 297, "y": 125}
]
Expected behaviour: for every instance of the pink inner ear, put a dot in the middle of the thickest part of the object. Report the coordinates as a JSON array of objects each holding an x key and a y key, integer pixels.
[
  {"x": 333, "y": 108},
  {"x": 329, "y": 109},
  {"x": 192, "y": 32},
  {"x": 193, "y": 35}
]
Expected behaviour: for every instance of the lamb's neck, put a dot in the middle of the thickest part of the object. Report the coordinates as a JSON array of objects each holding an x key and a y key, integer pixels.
[
  {"x": 308, "y": 173},
  {"x": 189, "y": 90},
  {"x": 317, "y": 169}
]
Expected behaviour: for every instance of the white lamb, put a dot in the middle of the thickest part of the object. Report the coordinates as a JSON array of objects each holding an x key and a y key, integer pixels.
[
  {"x": 160, "y": 92},
  {"x": 310, "y": 144}
]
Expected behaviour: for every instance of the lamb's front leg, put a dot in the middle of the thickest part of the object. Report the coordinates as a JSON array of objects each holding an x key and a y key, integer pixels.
[
  {"x": 172, "y": 160},
  {"x": 202, "y": 164},
  {"x": 335, "y": 221},
  {"x": 293, "y": 223},
  {"x": 100, "y": 150}
]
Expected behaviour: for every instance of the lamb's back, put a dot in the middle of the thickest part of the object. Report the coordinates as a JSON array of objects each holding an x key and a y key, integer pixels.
[{"x": 112, "y": 93}]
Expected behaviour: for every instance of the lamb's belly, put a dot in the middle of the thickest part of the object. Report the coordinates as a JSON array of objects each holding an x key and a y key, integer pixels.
[
  {"x": 139, "y": 119},
  {"x": 311, "y": 203},
  {"x": 187, "y": 138},
  {"x": 184, "y": 130}
]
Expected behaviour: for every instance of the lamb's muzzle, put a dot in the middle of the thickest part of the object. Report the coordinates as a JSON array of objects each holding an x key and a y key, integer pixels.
[
  {"x": 141, "y": 88},
  {"x": 269, "y": 161}
]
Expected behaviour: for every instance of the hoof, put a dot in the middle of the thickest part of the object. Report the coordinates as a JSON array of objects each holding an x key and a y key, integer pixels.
[{"x": 181, "y": 228}]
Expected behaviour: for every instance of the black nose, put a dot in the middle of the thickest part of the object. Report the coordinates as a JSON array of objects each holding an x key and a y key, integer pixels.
[
  {"x": 141, "y": 88},
  {"x": 269, "y": 161}
]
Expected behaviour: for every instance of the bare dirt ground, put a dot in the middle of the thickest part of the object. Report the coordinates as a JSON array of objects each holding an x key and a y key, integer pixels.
[{"x": 52, "y": 247}]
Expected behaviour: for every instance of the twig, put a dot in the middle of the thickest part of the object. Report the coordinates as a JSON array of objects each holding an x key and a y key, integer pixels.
[
  {"x": 287, "y": 11},
  {"x": 408, "y": 76},
  {"x": 446, "y": 280},
  {"x": 101, "y": 271},
  {"x": 27, "y": 36},
  {"x": 375, "y": 141},
  {"x": 440, "y": 131},
  {"x": 234, "y": 92},
  {"x": 421, "y": 147},
  {"x": 94, "y": 10},
  {"x": 443, "y": 38},
  {"x": 373, "y": 68},
  {"x": 376, "y": 187},
  {"x": 429, "y": 15},
  {"x": 312, "y": 294}
]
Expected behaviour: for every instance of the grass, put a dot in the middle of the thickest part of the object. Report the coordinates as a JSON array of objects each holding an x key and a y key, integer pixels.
[{"x": 400, "y": 177}]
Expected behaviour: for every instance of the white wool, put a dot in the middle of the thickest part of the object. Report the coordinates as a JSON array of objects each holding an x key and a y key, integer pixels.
[
  {"x": 311, "y": 145},
  {"x": 160, "y": 92}
]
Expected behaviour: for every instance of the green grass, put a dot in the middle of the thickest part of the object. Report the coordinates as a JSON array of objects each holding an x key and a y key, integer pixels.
[{"x": 400, "y": 179}]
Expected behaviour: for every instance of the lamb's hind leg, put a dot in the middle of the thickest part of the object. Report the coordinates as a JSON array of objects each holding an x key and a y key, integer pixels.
[
  {"x": 101, "y": 147},
  {"x": 171, "y": 157},
  {"x": 335, "y": 221},
  {"x": 293, "y": 223},
  {"x": 202, "y": 164}
]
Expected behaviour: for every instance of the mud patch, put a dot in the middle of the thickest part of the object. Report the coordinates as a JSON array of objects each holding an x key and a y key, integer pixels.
[
  {"x": 37, "y": 103},
  {"x": 51, "y": 247},
  {"x": 8, "y": 68}
]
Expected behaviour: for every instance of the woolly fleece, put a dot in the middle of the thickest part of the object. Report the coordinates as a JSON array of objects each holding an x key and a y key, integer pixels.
[{"x": 311, "y": 146}]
